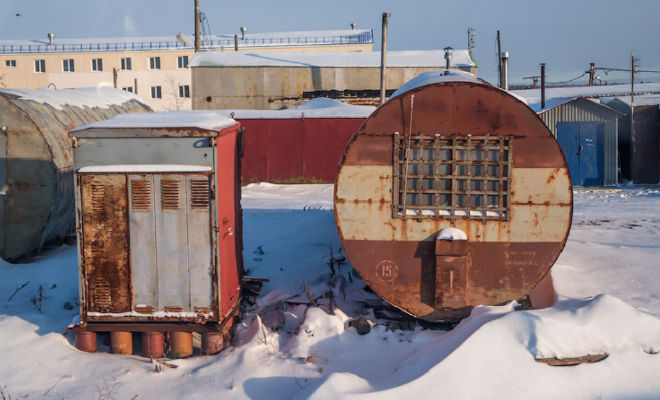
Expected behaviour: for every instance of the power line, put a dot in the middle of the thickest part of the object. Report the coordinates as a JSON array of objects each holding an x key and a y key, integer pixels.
[{"x": 568, "y": 81}]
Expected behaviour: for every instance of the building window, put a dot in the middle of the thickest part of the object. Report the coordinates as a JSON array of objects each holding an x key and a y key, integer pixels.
[
  {"x": 184, "y": 91},
  {"x": 128, "y": 89},
  {"x": 182, "y": 61},
  {"x": 67, "y": 65},
  {"x": 40, "y": 66},
  {"x": 452, "y": 177},
  {"x": 10, "y": 63},
  {"x": 126, "y": 63},
  {"x": 156, "y": 92},
  {"x": 154, "y": 62},
  {"x": 97, "y": 64}
]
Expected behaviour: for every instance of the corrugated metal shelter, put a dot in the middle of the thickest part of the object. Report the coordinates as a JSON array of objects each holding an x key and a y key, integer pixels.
[
  {"x": 640, "y": 152},
  {"x": 587, "y": 132},
  {"x": 36, "y": 162},
  {"x": 302, "y": 144}
]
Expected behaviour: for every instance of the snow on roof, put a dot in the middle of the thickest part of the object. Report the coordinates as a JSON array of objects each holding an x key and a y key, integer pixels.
[
  {"x": 91, "y": 97},
  {"x": 560, "y": 95},
  {"x": 209, "y": 120},
  {"x": 431, "y": 77},
  {"x": 266, "y": 39},
  {"x": 407, "y": 58},
  {"x": 647, "y": 100},
  {"x": 320, "y": 107}
]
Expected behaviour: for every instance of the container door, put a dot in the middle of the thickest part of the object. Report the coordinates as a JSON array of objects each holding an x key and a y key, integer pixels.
[
  {"x": 591, "y": 154},
  {"x": 172, "y": 243},
  {"x": 105, "y": 243},
  {"x": 3, "y": 182},
  {"x": 451, "y": 265},
  {"x": 142, "y": 221},
  {"x": 198, "y": 208},
  {"x": 568, "y": 137}
]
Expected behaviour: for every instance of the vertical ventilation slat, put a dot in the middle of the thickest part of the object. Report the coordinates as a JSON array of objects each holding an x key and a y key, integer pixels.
[
  {"x": 169, "y": 194},
  {"x": 199, "y": 190},
  {"x": 141, "y": 195},
  {"x": 98, "y": 200}
]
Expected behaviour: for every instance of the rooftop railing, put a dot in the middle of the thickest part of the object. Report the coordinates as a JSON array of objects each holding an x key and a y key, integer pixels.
[{"x": 365, "y": 37}]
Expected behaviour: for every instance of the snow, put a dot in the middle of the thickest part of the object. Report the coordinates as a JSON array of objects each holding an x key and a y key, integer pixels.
[
  {"x": 209, "y": 120},
  {"x": 647, "y": 100},
  {"x": 431, "y": 77},
  {"x": 100, "y": 96},
  {"x": 451, "y": 234},
  {"x": 144, "y": 168},
  {"x": 405, "y": 58},
  {"x": 320, "y": 107},
  {"x": 559, "y": 95},
  {"x": 607, "y": 279}
]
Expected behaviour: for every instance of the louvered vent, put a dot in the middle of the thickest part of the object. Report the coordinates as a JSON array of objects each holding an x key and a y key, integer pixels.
[
  {"x": 169, "y": 194},
  {"x": 141, "y": 195},
  {"x": 98, "y": 200},
  {"x": 199, "y": 189},
  {"x": 101, "y": 293}
]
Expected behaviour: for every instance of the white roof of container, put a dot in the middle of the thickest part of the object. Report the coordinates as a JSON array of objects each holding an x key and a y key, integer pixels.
[
  {"x": 320, "y": 107},
  {"x": 647, "y": 100},
  {"x": 431, "y": 77},
  {"x": 406, "y": 58},
  {"x": 209, "y": 120},
  {"x": 57, "y": 98},
  {"x": 559, "y": 95}
]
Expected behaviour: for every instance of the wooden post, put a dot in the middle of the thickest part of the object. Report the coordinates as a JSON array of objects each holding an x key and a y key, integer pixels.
[{"x": 196, "y": 26}]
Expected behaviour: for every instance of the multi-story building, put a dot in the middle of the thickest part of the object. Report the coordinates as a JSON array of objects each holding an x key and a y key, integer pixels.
[{"x": 156, "y": 68}]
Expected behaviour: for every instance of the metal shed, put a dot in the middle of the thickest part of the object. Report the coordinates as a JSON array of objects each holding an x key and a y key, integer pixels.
[
  {"x": 639, "y": 153},
  {"x": 36, "y": 183},
  {"x": 587, "y": 133}
]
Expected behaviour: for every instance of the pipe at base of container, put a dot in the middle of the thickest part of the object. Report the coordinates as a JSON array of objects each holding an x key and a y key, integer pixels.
[
  {"x": 212, "y": 342},
  {"x": 85, "y": 341},
  {"x": 181, "y": 343},
  {"x": 153, "y": 344},
  {"x": 121, "y": 342}
]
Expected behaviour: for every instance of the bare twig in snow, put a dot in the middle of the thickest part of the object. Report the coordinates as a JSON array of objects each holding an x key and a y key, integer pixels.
[{"x": 17, "y": 290}]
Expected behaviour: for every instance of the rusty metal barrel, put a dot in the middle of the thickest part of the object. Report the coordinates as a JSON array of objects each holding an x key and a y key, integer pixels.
[
  {"x": 452, "y": 194},
  {"x": 36, "y": 162}
]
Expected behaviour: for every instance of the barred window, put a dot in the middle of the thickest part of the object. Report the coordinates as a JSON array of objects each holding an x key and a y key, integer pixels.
[{"x": 454, "y": 177}]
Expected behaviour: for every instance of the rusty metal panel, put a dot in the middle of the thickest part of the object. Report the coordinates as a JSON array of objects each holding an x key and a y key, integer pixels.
[
  {"x": 285, "y": 151},
  {"x": 502, "y": 258},
  {"x": 172, "y": 243},
  {"x": 142, "y": 222},
  {"x": 255, "y": 157},
  {"x": 105, "y": 243},
  {"x": 200, "y": 268}
]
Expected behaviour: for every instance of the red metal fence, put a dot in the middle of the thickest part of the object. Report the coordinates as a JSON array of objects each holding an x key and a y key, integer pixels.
[{"x": 295, "y": 150}]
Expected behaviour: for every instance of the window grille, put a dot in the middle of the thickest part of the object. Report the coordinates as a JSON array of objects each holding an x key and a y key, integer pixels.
[{"x": 452, "y": 177}]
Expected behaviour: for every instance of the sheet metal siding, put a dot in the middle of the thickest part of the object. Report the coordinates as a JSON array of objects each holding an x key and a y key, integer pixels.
[
  {"x": 295, "y": 150},
  {"x": 38, "y": 205},
  {"x": 580, "y": 110}
]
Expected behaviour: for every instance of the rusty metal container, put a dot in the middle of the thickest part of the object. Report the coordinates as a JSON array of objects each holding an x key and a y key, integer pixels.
[
  {"x": 452, "y": 194},
  {"x": 158, "y": 219},
  {"x": 36, "y": 184}
]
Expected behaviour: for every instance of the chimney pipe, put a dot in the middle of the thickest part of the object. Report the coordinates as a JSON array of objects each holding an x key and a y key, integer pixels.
[
  {"x": 542, "y": 85},
  {"x": 196, "y": 26},
  {"x": 243, "y": 32},
  {"x": 591, "y": 73},
  {"x": 504, "y": 79},
  {"x": 449, "y": 52},
  {"x": 235, "y": 42},
  {"x": 383, "y": 51},
  {"x": 51, "y": 38},
  {"x": 353, "y": 25}
]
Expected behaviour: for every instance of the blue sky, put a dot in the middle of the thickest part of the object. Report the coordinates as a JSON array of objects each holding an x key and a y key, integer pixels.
[{"x": 566, "y": 35}]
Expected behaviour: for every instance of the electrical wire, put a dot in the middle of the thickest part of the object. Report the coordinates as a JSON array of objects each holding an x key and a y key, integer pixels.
[{"x": 568, "y": 81}]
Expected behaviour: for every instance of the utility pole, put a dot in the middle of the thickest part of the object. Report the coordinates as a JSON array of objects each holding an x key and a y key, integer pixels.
[
  {"x": 383, "y": 51},
  {"x": 591, "y": 73},
  {"x": 114, "y": 77},
  {"x": 542, "y": 86},
  {"x": 196, "y": 26},
  {"x": 470, "y": 39},
  {"x": 499, "y": 59},
  {"x": 632, "y": 109}
]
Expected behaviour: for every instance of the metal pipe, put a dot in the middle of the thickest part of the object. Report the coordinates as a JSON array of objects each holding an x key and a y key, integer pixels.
[
  {"x": 121, "y": 342},
  {"x": 591, "y": 73},
  {"x": 196, "y": 26},
  {"x": 383, "y": 51},
  {"x": 235, "y": 42},
  {"x": 212, "y": 342},
  {"x": 181, "y": 343},
  {"x": 499, "y": 59},
  {"x": 542, "y": 85},
  {"x": 153, "y": 344},
  {"x": 505, "y": 70}
]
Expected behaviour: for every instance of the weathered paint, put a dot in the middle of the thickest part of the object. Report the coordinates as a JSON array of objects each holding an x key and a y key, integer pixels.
[
  {"x": 295, "y": 149},
  {"x": 37, "y": 205},
  {"x": 181, "y": 228},
  {"x": 502, "y": 260}
]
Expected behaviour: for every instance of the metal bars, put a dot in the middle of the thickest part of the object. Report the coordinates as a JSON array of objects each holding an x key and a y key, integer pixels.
[{"x": 451, "y": 177}]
